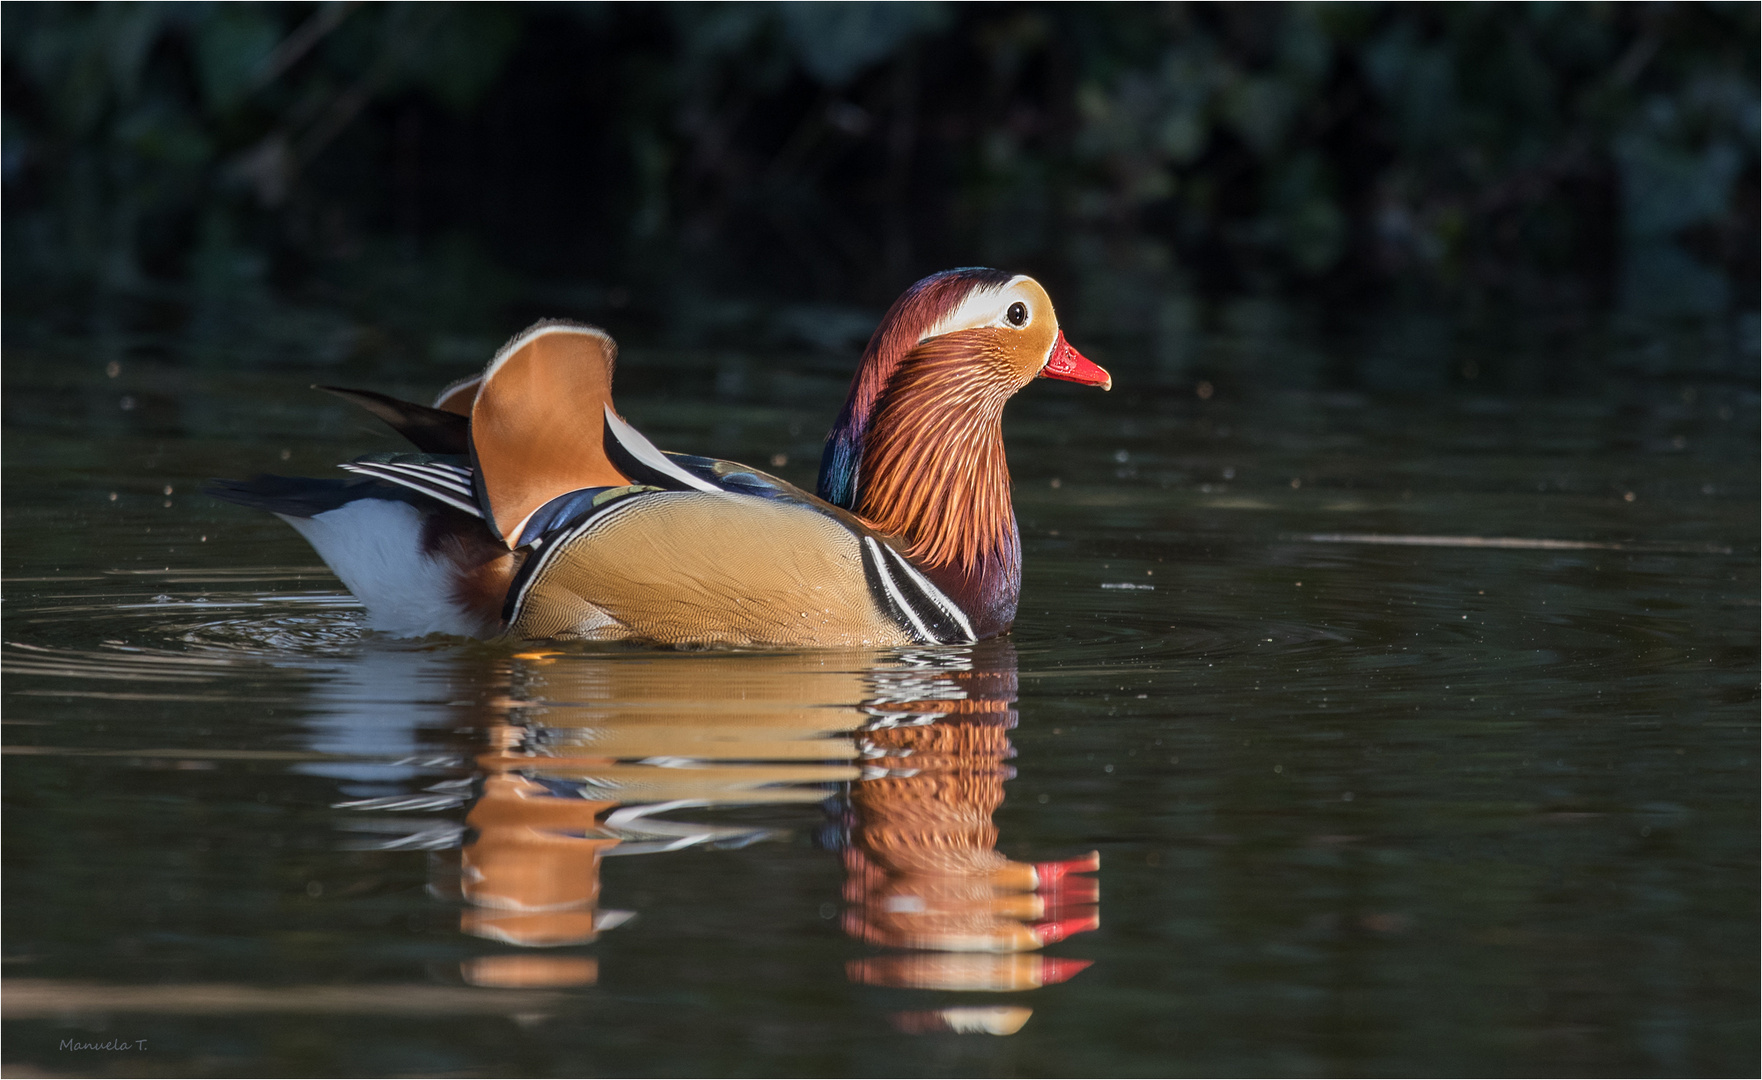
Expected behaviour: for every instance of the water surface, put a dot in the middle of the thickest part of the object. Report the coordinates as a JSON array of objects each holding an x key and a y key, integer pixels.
[{"x": 1416, "y": 735}]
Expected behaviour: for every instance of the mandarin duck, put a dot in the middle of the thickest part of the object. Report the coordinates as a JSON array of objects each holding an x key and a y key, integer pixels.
[{"x": 533, "y": 510}]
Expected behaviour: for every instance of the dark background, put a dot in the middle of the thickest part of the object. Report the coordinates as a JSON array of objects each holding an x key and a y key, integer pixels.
[
  {"x": 1425, "y": 273},
  {"x": 411, "y": 183}
]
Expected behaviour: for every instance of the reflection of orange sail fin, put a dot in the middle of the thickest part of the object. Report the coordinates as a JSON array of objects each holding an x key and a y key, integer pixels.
[
  {"x": 524, "y": 971},
  {"x": 530, "y": 882}
]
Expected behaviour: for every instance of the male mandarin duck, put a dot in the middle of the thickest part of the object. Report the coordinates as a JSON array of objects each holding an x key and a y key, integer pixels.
[{"x": 534, "y": 511}]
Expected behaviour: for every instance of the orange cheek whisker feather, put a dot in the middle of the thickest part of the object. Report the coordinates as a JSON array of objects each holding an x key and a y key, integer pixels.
[{"x": 934, "y": 471}]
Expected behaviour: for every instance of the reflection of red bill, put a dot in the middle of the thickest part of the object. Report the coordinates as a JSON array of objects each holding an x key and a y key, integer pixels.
[
  {"x": 964, "y": 971},
  {"x": 1059, "y": 929},
  {"x": 1075, "y": 889},
  {"x": 1048, "y": 874}
]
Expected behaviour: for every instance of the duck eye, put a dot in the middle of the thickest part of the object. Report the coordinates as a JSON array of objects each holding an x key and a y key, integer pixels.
[{"x": 1017, "y": 314}]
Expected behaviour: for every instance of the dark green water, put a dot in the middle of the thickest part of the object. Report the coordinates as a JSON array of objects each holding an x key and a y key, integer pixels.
[{"x": 1372, "y": 795}]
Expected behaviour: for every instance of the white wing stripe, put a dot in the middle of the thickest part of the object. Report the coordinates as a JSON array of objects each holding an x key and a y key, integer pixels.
[
  {"x": 893, "y": 592},
  {"x": 644, "y": 451},
  {"x": 440, "y": 494},
  {"x": 419, "y": 483},
  {"x": 427, "y": 483},
  {"x": 449, "y": 476},
  {"x": 935, "y": 595}
]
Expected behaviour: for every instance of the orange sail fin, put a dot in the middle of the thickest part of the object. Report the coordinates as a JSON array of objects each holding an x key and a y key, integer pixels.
[
  {"x": 458, "y": 395},
  {"x": 538, "y": 422}
]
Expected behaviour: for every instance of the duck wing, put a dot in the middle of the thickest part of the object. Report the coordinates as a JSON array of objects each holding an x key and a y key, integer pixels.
[
  {"x": 701, "y": 549},
  {"x": 444, "y": 478},
  {"x": 536, "y": 426},
  {"x": 702, "y": 567}
]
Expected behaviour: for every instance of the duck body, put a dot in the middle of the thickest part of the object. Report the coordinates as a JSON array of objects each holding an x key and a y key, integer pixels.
[{"x": 532, "y": 510}]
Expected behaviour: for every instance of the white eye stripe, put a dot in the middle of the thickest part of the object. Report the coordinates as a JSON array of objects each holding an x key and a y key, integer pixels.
[{"x": 983, "y": 307}]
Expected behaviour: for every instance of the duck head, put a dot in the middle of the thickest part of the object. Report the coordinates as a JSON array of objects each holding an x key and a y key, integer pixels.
[{"x": 918, "y": 449}]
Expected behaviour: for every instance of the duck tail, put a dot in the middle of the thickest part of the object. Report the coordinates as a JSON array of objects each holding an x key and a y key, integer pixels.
[
  {"x": 289, "y": 496},
  {"x": 418, "y": 566}
]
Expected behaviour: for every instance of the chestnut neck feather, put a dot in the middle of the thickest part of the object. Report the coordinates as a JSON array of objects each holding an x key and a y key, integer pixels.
[
  {"x": 933, "y": 473},
  {"x": 901, "y": 330}
]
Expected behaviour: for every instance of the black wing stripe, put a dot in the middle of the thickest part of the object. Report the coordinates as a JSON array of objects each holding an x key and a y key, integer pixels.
[
  {"x": 439, "y": 494},
  {"x": 637, "y": 458},
  {"x": 548, "y": 550},
  {"x": 410, "y": 475},
  {"x": 884, "y": 588},
  {"x": 437, "y": 471}
]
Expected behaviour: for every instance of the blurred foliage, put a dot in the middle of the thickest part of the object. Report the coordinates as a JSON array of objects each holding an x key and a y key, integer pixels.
[{"x": 292, "y": 173}]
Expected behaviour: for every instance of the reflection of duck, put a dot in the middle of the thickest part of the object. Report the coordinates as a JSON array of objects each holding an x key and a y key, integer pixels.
[
  {"x": 923, "y": 869},
  {"x": 535, "y": 510},
  {"x": 925, "y": 872},
  {"x": 532, "y": 870},
  {"x": 588, "y": 756},
  {"x": 581, "y": 758}
]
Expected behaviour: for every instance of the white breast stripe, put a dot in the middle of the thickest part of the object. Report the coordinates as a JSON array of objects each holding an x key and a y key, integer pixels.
[
  {"x": 644, "y": 451},
  {"x": 893, "y": 591},
  {"x": 937, "y": 596}
]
